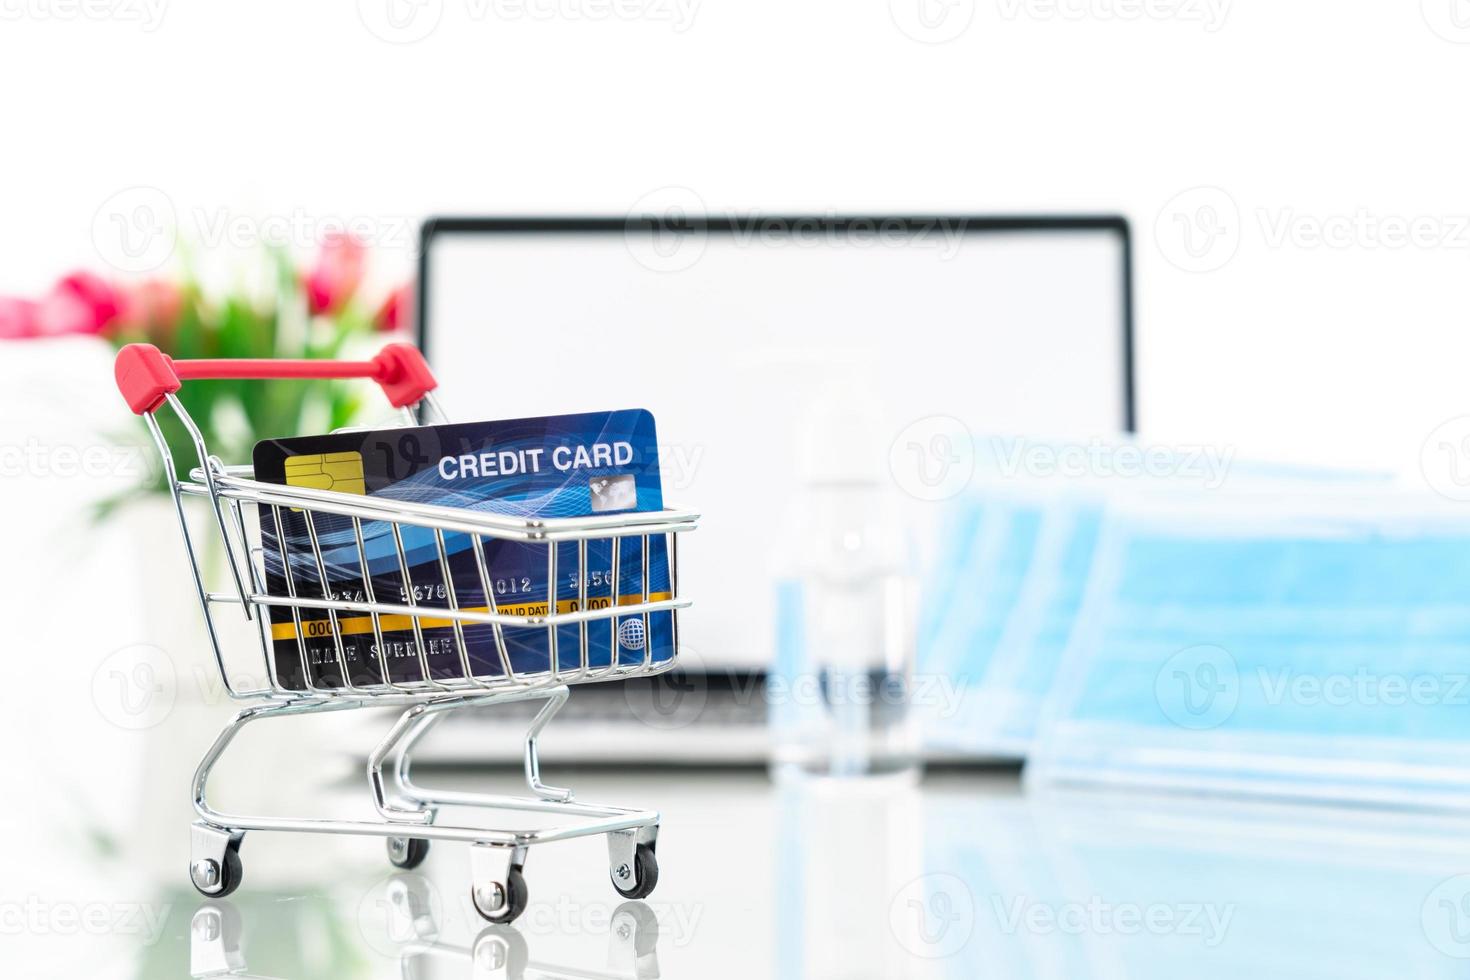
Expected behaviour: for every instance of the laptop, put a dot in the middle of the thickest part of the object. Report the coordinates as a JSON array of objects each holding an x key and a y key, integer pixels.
[{"x": 728, "y": 329}]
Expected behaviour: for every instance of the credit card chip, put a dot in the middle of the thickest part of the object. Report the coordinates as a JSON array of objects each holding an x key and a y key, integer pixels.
[{"x": 341, "y": 472}]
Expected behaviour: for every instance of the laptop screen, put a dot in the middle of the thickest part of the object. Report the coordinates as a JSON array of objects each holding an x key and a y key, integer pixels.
[{"x": 739, "y": 335}]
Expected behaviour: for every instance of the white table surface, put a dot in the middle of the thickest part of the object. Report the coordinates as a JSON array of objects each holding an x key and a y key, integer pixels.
[{"x": 962, "y": 876}]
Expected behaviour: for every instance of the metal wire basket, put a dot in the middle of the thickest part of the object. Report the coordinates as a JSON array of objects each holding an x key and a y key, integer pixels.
[{"x": 281, "y": 582}]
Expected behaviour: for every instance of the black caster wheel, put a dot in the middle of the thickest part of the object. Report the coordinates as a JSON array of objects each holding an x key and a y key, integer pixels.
[
  {"x": 216, "y": 880},
  {"x": 640, "y": 878},
  {"x": 511, "y": 905},
  {"x": 407, "y": 852}
]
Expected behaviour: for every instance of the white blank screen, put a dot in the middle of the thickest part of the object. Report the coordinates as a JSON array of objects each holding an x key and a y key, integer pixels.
[{"x": 1011, "y": 332}]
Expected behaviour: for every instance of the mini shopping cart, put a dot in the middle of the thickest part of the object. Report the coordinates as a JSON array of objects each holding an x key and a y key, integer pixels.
[{"x": 148, "y": 380}]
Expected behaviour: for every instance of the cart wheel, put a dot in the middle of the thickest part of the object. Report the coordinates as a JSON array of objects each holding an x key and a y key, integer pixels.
[
  {"x": 643, "y": 875},
  {"x": 214, "y": 879},
  {"x": 407, "y": 852},
  {"x": 514, "y": 904}
]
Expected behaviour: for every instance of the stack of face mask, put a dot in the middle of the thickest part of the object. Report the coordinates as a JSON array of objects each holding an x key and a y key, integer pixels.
[
  {"x": 1225, "y": 627},
  {"x": 1011, "y": 562},
  {"x": 1307, "y": 643}
]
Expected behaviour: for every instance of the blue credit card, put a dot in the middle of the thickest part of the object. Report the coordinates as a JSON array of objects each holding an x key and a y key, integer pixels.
[{"x": 557, "y": 466}]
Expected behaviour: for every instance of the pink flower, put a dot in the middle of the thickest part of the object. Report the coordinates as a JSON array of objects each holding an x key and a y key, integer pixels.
[
  {"x": 337, "y": 273},
  {"x": 83, "y": 302},
  {"x": 396, "y": 313},
  {"x": 17, "y": 318},
  {"x": 152, "y": 306}
]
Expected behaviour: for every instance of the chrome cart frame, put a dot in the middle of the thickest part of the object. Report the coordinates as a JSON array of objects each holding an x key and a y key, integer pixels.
[{"x": 240, "y": 505}]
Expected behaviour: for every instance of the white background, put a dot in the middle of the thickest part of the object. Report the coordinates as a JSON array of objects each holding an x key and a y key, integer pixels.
[{"x": 1310, "y": 111}]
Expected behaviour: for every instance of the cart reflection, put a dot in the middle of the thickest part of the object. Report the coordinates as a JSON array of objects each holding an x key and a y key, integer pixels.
[{"x": 217, "y": 943}]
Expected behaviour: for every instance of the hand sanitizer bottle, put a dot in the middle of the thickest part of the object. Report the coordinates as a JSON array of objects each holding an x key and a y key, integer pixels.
[{"x": 839, "y": 691}]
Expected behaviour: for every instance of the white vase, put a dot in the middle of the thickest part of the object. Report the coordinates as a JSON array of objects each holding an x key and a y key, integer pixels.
[{"x": 275, "y": 766}]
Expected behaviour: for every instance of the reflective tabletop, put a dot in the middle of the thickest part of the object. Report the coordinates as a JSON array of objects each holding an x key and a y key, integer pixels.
[{"x": 961, "y": 875}]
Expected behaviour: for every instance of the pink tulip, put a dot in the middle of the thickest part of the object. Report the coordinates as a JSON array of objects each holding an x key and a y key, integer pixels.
[
  {"x": 17, "y": 318},
  {"x": 337, "y": 273},
  {"x": 152, "y": 306},
  {"x": 396, "y": 313},
  {"x": 83, "y": 302}
]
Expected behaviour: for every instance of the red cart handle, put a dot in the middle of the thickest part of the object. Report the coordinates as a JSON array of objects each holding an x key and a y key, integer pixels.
[{"x": 146, "y": 374}]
